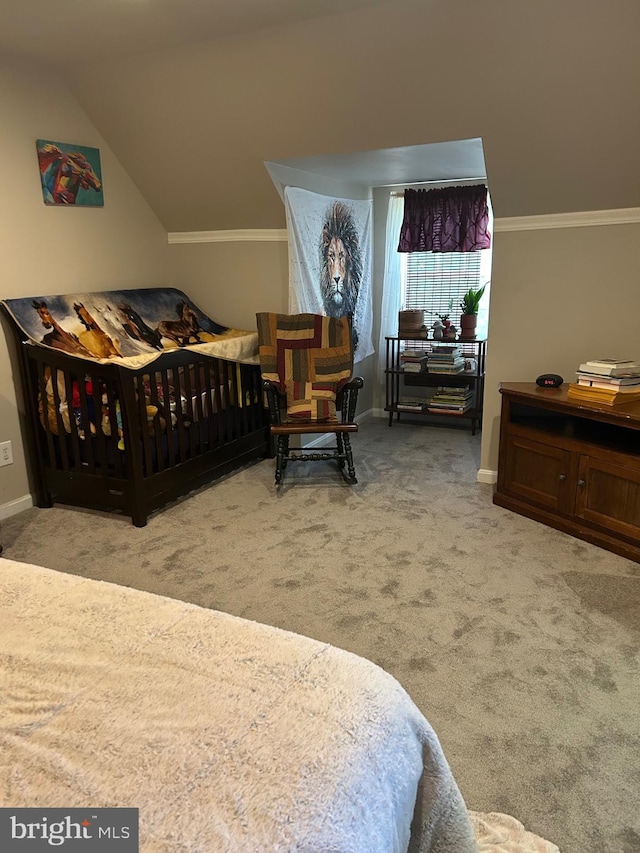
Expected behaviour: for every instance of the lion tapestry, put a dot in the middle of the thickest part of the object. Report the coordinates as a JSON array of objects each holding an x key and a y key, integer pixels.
[{"x": 330, "y": 260}]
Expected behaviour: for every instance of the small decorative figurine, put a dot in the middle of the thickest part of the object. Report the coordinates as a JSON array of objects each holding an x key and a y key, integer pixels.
[{"x": 438, "y": 330}]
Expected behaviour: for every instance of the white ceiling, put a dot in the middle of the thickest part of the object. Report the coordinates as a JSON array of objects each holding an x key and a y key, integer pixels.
[
  {"x": 70, "y": 32},
  {"x": 460, "y": 160}
]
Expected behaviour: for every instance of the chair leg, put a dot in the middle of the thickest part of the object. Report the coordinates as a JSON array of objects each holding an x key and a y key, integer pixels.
[
  {"x": 349, "y": 455},
  {"x": 282, "y": 452},
  {"x": 341, "y": 450}
]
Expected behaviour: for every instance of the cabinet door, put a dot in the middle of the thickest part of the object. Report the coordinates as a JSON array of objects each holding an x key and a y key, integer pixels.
[
  {"x": 539, "y": 473},
  {"x": 609, "y": 495}
]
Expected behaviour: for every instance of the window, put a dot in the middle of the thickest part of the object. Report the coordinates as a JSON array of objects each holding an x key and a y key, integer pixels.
[{"x": 436, "y": 282}]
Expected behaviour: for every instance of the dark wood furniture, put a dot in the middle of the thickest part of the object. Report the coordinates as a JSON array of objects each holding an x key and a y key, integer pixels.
[
  {"x": 126, "y": 461},
  {"x": 574, "y": 466},
  {"x": 307, "y": 370},
  {"x": 401, "y": 383},
  {"x": 281, "y": 430}
]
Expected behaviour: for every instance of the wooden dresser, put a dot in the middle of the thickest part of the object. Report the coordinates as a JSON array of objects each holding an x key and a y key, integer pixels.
[{"x": 573, "y": 466}]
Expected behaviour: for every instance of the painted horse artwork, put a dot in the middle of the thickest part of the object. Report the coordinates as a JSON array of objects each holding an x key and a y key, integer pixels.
[
  {"x": 183, "y": 330},
  {"x": 58, "y": 338},
  {"x": 137, "y": 329},
  {"x": 70, "y": 174},
  {"x": 95, "y": 339}
]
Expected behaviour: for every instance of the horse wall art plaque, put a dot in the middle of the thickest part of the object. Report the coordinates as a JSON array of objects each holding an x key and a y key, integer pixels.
[{"x": 70, "y": 174}]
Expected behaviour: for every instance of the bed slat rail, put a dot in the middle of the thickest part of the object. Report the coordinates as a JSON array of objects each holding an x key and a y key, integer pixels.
[{"x": 112, "y": 437}]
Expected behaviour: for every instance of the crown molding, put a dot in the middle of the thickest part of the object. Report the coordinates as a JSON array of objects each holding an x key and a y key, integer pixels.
[
  {"x": 243, "y": 235},
  {"x": 622, "y": 216}
]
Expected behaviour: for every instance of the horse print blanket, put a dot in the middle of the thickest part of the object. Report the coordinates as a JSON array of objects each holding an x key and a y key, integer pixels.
[{"x": 130, "y": 327}]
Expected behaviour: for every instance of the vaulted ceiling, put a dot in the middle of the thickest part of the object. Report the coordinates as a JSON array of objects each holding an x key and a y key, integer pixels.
[
  {"x": 193, "y": 97},
  {"x": 69, "y": 32}
]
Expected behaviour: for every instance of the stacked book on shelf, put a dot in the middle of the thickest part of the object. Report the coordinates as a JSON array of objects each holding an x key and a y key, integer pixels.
[
  {"x": 606, "y": 382},
  {"x": 413, "y": 361},
  {"x": 447, "y": 358},
  {"x": 406, "y": 404},
  {"x": 451, "y": 400}
]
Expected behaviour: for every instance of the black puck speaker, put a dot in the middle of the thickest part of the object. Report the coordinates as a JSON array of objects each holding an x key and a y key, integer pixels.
[{"x": 549, "y": 380}]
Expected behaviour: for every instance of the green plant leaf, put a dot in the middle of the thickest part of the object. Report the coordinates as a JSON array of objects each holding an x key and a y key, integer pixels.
[{"x": 470, "y": 302}]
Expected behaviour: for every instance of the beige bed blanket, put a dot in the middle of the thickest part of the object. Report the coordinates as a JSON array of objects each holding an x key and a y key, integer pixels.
[{"x": 227, "y": 735}]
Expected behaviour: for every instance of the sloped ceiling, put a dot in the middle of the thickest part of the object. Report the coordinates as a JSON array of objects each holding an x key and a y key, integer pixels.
[
  {"x": 550, "y": 88},
  {"x": 69, "y": 32}
]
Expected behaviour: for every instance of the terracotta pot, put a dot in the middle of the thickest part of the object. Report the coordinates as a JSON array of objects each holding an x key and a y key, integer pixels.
[{"x": 468, "y": 323}]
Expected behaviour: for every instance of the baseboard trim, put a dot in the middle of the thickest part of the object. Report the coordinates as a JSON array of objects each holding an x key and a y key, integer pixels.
[
  {"x": 14, "y": 507},
  {"x": 327, "y": 438},
  {"x": 486, "y": 475}
]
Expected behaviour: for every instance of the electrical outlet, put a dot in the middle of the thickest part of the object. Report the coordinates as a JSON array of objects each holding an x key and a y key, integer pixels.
[{"x": 6, "y": 454}]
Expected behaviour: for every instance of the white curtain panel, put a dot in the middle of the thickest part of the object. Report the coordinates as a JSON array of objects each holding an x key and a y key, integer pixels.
[
  {"x": 330, "y": 260},
  {"x": 392, "y": 282}
]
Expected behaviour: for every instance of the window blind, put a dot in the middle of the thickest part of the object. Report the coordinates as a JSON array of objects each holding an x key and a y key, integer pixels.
[{"x": 434, "y": 281}]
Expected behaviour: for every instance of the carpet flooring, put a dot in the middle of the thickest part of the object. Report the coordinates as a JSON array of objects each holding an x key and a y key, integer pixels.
[{"x": 520, "y": 644}]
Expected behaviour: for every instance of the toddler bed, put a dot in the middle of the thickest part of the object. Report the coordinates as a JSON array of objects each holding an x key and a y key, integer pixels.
[{"x": 132, "y": 398}]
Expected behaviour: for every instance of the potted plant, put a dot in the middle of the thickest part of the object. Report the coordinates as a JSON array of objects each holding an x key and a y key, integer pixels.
[
  {"x": 469, "y": 305},
  {"x": 444, "y": 318}
]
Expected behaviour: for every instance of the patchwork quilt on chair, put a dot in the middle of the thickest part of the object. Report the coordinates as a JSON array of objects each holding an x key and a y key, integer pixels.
[{"x": 309, "y": 358}]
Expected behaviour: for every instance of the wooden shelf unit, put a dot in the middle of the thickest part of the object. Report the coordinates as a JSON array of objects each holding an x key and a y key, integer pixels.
[
  {"x": 399, "y": 382},
  {"x": 573, "y": 466}
]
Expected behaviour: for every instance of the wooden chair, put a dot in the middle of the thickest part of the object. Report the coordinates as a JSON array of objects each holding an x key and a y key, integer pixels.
[{"x": 306, "y": 362}]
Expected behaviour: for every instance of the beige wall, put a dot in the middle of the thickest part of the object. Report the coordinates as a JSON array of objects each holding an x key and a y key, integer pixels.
[
  {"x": 58, "y": 249},
  {"x": 232, "y": 281},
  {"x": 553, "y": 291},
  {"x": 558, "y": 297}
]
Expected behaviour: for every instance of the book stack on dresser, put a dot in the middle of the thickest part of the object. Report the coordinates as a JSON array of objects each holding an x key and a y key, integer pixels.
[{"x": 606, "y": 382}]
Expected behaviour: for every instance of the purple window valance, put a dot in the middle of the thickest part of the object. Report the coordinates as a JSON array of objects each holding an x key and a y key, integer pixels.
[{"x": 450, "y": 219}]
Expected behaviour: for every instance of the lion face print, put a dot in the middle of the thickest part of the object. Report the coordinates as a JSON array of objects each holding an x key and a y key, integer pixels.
[
  {"x": 336, "y": 273},
  {"x": 340, "y": 262}
]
